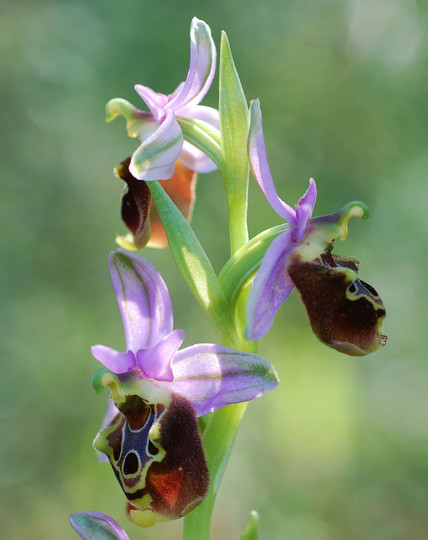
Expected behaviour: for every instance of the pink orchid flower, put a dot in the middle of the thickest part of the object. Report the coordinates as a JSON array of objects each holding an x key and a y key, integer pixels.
[
  {"x": 345, "y": 312},
  {"x": 159, "y": 132}
]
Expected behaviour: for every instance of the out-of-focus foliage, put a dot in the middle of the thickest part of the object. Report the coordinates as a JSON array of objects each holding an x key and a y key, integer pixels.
[{"x": 340, "y": 449}]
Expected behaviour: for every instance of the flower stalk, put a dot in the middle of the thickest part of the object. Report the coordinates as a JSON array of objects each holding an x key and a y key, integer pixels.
[
  {"x": 204, "y": 137},
  {"x": 218, "y": 438},
  {"x": 195, "y": 267}
]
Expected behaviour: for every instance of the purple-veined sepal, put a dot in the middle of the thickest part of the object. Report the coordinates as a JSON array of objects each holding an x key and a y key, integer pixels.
[{"x": 96, "y": 526}]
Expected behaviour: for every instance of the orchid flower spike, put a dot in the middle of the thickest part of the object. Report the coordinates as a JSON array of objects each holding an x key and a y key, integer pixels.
[
  {"x": 160, "y": 135},
  {"x": 151, "y": 436},
  {"x": 345, "y": 312}
]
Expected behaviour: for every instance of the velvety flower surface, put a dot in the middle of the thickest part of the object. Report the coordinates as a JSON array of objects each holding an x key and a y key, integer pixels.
[
  {"x": 139, "y": 212},
  {"x": 345, "y": 312},
  {"x": 151, "y": 436},
  {"x": 97, "y": 526},
  {"x": 160, "y": 135}
]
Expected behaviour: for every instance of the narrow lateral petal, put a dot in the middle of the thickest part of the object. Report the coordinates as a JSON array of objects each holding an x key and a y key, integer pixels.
[
  {"x": 260, "y": 166},
  {"x": 310, "y": 197},
  {"x": 176, "y": 92},
  {"x": 156, "y": 361},
  {"x": 155, "y": 158},
  {"x": 143, "y": 299},
  {"x": 272, "y": 285},
  {"x": 136, "y": 120},
  {"x": 113, "y": 360},
  {"x": 96, "y": 526},
  {"x": 154, "y": 101},
  {"x": 201, "y": 68},
  {"x": 304, "y": 209},
  {"x": 211, "y": 376}
]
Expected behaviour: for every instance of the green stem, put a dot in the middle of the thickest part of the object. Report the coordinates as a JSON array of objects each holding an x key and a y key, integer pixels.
[
  {"x": 237, "y": 220},
  {"x": 195, "y": 267},
  {"x": 219, "y": 428},
  {"x": 220, "y": 432},
  {"x": 203, "y": 136},
  {"x": 218, "y": 439},
  {"x": 244, "y": 263}
]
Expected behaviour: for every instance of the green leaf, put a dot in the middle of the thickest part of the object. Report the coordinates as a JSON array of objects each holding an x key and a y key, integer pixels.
[
  {"x": 233, "y": 110},
  {"x": 203, "y": 136},
  {"x": 252, "y": 529},
  {"x": 195, "y": 267}
]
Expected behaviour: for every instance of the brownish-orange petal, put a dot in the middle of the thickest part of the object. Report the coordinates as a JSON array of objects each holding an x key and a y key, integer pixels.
[
  {"x": 181, "y": 189},
  {"x": 139, "y": 212}
]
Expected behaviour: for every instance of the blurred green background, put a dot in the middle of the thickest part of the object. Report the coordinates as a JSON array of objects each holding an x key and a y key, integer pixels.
[{"x": 340, "y": 449}]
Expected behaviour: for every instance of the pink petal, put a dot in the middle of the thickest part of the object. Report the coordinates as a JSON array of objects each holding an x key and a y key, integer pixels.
[
  {"x": 156, "y": 361},
  {"x": 211, "y": 376},
  {"x": 201, "y": 68},
  {"x": 260, "y": 166},
  {"x": 154, "y": 101},
  {"x": 200, "y": 112},
  {"x": 304, "y": 209},
  {"x": 272, "y": 285},
  {"x": 143, "y": 299},
  {"x": 113, "y": 360},
  {"x": 155, "y": 158},
  {"x": 195, "y": 159},
  {"x": 95, "y": 525}
]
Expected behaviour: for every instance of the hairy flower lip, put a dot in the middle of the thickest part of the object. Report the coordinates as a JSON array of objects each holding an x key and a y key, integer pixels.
[
  {"x": 157, "y": 456},
  {"x": 345, "y": 312}
]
